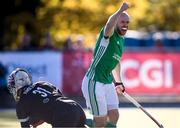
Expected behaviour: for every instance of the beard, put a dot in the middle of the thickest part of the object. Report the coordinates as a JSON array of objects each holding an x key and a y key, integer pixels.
[{"x": 121, "y": 31}]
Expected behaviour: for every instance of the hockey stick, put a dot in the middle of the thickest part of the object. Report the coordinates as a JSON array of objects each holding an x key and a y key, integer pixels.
[{"x": 127, "y": 96}]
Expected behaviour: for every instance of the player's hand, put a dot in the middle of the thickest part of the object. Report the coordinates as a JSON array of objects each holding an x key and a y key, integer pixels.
[
  {"x": 124, "y": 7},
  {"x": 120, "y": 88}
]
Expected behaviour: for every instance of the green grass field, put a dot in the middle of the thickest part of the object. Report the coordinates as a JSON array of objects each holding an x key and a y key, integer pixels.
[{"x": 129, "y": 118}]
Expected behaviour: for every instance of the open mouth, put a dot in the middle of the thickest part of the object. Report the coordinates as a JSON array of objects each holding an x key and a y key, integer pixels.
[{"x": 124, "y": 29}]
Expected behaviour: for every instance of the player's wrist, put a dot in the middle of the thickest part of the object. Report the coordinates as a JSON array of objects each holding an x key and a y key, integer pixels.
[{"x": 120, "y": 84}]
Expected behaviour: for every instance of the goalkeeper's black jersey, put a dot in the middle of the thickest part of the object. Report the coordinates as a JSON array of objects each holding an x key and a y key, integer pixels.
[{"x": 42, "y": 101}]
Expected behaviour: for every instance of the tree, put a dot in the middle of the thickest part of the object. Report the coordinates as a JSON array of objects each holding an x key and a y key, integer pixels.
[
  {"x": 17, "y": 17},
  {"x": 62, "y": 18},
  {"x": 162, "y": 16}
]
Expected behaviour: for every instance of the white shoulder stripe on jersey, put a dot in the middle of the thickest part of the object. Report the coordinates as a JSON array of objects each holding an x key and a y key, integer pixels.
[
  {"x": 100, "y": 52},
  {"x": 24, "y": 120},
  {"x": 96, "y": 60}
]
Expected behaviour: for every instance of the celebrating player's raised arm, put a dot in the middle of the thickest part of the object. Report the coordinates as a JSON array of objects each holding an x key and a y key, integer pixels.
[{"x": 109, "y": 27}]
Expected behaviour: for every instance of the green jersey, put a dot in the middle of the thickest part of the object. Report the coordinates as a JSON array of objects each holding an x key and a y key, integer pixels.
[{"x": 107, "y": 54}]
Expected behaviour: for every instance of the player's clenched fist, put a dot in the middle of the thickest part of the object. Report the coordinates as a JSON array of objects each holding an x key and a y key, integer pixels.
[{"x": 124, "y": 7}]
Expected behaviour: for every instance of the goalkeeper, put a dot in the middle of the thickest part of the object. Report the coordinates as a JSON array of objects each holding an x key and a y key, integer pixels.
[{"x": 42, "y": 102}]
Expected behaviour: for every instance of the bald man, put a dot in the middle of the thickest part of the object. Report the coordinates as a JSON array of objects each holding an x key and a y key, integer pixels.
[{"x": 100, "y": 92}]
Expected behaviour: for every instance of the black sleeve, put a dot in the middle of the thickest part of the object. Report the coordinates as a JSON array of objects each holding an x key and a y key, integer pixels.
[{"x": 22, "y": 116}]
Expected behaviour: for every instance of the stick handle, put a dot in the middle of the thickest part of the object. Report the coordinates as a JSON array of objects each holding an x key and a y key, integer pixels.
[
  {"x": 151, "y": 117},
  {"x": 139, "y": 106},
  {"x": 132, "y": 100}
]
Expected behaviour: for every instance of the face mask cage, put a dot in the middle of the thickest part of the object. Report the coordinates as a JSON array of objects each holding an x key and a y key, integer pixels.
[{"x": 16, "y": 80}]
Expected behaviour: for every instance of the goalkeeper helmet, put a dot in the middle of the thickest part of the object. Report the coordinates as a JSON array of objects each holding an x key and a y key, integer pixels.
[{"x": 18, "y": 79}]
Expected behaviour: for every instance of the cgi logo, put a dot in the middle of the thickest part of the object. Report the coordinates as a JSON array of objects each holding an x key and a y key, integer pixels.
[{"x": 152, "y": 73}]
